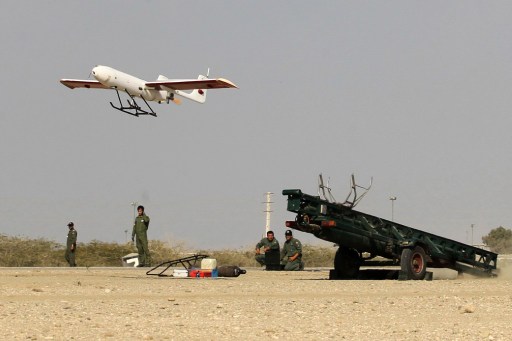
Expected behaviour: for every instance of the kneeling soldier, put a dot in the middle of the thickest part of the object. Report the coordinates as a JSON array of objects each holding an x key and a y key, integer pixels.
[
  {"x": 268, "y": 244},
  {"x": 291, "y": 254}
]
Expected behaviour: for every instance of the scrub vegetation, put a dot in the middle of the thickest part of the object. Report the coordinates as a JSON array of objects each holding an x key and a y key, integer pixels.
[
  {"x": 22, "y": 251},
  {"x": 499, "y": 240}
]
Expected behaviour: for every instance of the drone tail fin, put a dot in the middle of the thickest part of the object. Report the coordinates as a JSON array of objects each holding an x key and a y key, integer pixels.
[{"x": 197, "y": 95}]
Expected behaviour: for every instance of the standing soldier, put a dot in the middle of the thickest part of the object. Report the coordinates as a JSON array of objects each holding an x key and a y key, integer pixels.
[
  {"x": 268, "y": 244},
  {"x": 291, "y": 254},
  {"x": 140, "y": 228},
  {"x": 71, "y": 245}
]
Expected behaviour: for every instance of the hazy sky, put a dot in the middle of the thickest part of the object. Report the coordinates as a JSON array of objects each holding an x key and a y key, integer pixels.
[{"x": 415, "y": 94}]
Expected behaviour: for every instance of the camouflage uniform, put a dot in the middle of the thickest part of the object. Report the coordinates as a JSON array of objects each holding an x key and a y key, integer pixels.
[
  {"x": 290, "y": 248},
  {"x": 264, "y": 243},
  {"x": 71, "y": 246},
  {"x": 140, "y": 228}
]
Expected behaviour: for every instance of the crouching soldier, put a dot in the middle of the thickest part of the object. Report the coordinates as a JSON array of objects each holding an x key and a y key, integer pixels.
[
  {"x": 291, "y": 254},
  {"x": 269, "y": 244}
]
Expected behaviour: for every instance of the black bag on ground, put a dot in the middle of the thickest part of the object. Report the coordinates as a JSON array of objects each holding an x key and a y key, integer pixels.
[
  {"x": 273, "y": 260},
  {"x": 230, "y": 271}
]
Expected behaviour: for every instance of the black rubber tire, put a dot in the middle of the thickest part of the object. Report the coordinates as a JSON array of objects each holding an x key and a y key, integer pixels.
[
  {"x": 413, "y": 263},
  {"x": 346, "y": 263}
]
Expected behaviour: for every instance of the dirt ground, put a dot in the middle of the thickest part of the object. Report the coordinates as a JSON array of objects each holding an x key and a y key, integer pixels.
[{"x": 124, "y": 303}]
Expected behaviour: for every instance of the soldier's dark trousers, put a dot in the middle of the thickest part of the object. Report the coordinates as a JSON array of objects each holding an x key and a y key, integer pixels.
[
  {"x": 70, "y": 257},
  {"x": 142, "y": 249},
  {"x": 294, "y": 266},
  {"x": 260, "y": 259}
]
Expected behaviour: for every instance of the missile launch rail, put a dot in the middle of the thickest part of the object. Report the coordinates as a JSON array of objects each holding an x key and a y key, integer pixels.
[{"x": 361, "y": 237}]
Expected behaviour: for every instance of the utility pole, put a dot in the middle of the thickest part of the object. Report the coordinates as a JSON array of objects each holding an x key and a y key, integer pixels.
[
  {"x": 134, "y": 204},
  {"x": 472, "y": 227},
  {"x": 392, "y": 207},
  {"x": 268, "y": 211}
]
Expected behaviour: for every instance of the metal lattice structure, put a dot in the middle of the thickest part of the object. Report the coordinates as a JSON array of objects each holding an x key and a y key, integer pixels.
[
  {"x": 358, "y": 233},
  {"x": 187, "y": 263}
]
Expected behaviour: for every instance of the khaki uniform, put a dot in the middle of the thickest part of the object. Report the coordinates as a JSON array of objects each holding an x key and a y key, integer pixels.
[
  {"x": 140, "y": 228},
  {"x": 71, "y": 243},
  {"x": 290, "y": 248},
  {"x": 264, "y": 243}
]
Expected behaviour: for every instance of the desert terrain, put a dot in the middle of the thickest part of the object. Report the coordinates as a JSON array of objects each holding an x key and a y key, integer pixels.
[{"x": 126, "y": 304}]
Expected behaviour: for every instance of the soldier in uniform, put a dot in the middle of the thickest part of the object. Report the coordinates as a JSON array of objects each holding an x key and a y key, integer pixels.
[
  {"x": 140, "y": 228},
  {"x": 268, "y": 244},
  {"x": 71, "y": 245},
  {"x": 291, "y": 254}
]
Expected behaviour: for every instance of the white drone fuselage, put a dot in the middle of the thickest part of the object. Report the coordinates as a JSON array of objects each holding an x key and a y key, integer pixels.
[
  {"x": 119, "y": 80},
  {"x": 161, "y": 90}
]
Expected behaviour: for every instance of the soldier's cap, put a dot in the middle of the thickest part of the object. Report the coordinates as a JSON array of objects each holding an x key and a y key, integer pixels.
[
  {"x": 71, "y": 224},
  {"x": 270, "y": 232},
  {"x": 288, "y": 233}
]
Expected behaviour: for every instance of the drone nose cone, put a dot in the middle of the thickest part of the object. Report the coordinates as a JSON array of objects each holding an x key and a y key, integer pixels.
[{"x": 99, "y": 73}]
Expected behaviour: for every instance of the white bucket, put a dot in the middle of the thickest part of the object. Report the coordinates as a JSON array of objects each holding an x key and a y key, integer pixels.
[
  {"x": 130, "y": 260},
  {"x": 208, "y": 264}
]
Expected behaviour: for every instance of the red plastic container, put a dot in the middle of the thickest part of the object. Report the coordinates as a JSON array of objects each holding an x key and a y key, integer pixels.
[{"x": 198, "y": 273}]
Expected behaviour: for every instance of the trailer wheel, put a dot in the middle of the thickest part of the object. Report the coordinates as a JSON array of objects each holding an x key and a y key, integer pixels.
[
  {"x": 413, "y": 263},
  {"x": 347, "y": 263}
]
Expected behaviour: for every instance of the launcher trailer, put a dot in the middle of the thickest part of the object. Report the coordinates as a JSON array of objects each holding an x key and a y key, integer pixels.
[{"x": 362, "y": 237}]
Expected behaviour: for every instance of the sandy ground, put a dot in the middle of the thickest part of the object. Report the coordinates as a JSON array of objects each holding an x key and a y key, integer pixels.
[{"x": 124, "y": 304}]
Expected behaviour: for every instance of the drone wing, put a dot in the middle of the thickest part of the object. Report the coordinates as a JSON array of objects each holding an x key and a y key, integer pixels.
[
  {"x": 191, "y": 84},
  {"x": 79, "y": 83}
]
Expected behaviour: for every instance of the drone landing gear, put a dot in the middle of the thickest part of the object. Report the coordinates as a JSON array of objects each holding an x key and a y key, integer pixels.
[{"x": 133, "y": 108}]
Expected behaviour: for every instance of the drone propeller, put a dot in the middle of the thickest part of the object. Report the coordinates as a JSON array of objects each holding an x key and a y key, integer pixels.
[{"x": 172, "y": 98}]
